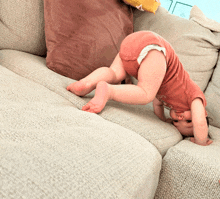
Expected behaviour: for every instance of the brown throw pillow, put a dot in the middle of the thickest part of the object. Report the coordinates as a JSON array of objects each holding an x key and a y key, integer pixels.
[{"x": 82, "y": 36}]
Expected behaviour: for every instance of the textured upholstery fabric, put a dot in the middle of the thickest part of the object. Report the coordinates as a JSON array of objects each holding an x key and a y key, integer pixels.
[
  {"x": 82, "y": 36},
  {"x": 191, "y": 171},
  {"x": 212, "y": 92},
  {"x": 139, "y": 119},
  {"x": 50, "y": 149},
  {"x": 196, "y": 46},
  {"x": 212, "y": 95},
  {"x": 198, "y": 16},
  {"x": 23, "y": 28}
]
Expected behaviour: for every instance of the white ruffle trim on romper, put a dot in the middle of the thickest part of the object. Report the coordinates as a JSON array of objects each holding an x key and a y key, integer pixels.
[{"x": 145, "y": 51}]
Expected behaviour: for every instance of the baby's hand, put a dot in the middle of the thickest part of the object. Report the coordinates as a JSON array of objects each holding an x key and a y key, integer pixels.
[
  {"x": 128, "y": 80},
  {"x": 205, "y": 143},
  {"x": 169, "y": 120}
]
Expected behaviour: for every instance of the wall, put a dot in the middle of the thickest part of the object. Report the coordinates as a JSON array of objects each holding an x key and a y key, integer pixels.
[{"x": 181, "y": 8}]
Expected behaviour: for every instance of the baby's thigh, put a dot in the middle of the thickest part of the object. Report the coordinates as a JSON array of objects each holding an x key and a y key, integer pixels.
[
  {"x": 118, "y": 68},
  {"x": 152, "y": 72}
]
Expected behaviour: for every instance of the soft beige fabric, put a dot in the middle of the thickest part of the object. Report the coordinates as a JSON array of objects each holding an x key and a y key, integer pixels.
[
  {"x": 22, "y": 26},
  {"x": 50, "y": 149},
  {"x": 191, "y": 171},
  {"x": 212, "y": 92},
  {"x": 143, "y": 121},
  {"x": 196, "y": 46},
  {"x": 139, "y": 119},
  {"x": 198, "y": 16},
  {"x": 212, "y": 95}
]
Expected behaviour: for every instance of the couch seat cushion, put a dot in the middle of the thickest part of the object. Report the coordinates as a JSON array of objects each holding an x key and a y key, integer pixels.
[
  {"x": 139, "y": 119},
  {"x": 50, "y": 149},
  {"x": 191, "y": 171}
]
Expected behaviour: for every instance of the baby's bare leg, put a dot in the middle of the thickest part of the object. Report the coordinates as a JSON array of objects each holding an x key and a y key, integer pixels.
[
  {"x": 130, "y": 94},
  {"x": 150, "y": 76},
  {"x": 87, "y": 84},
  {"x": 113, "y": 75},
  {"x": 98, "y": 102}
]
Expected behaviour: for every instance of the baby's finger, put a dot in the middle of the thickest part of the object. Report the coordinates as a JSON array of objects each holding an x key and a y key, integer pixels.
[
  {"x": 209, "y": 142},
  {"x": 192, "y": 139}
]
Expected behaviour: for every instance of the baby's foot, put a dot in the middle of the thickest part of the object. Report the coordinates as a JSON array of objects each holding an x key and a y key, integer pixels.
[
  {"x": 98, "y": 102},
  {"x": 80, "y": 88}
]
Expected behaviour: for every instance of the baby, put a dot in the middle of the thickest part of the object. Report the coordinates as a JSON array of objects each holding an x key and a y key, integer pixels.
[{"x": 161, "y": 79}]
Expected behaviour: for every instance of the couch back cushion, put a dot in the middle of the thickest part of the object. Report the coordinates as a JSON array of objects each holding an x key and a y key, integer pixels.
[
  {"x": 22, "y": 26},
  {"x": 196, "y": 45},
  {"x": 82, "y": 36},
  {"x": 212, "y": 95}
]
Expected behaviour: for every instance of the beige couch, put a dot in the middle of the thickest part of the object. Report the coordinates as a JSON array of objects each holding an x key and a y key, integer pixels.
[{"x": 49, "y": 148}]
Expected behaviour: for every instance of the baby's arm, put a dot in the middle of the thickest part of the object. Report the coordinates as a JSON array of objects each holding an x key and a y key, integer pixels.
[
  {"x": 159, "y": 109},
  {"x": 200, "y": 127}
]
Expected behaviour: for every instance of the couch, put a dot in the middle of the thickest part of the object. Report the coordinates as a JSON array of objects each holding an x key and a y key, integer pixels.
[{"x": 49, "y": 148}]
